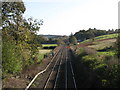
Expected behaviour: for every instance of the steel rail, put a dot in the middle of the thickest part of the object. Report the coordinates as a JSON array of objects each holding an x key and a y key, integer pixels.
[
  {"x": 73, "y": 76},
  {"x": 58, "y": 73},
  {"x": 42, "y": 71},
  {"x": 66, "y": 70},
  {"x": 45, "y": 86}
]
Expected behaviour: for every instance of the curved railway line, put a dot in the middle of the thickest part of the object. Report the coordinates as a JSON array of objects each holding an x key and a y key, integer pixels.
[{"x": 59, "y": 73}]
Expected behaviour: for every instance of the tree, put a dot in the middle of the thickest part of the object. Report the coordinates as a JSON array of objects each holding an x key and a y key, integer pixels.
[
  {"x": 12, "y": 13},
  {"x": 91, "y": 33},
  {"x": 91, "y": 36},
  {"x": 11, "y": 20},
  {"x": 11, "y": 56},
  {"x": 19, "y": 37},
  {"x": 118, "y": 44},
  {"x": 60, "y": 42},
  {"x": 72, "y": 39}
]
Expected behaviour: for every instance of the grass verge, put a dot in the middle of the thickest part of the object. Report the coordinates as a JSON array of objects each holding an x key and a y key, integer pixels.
[{"x": 43, "y": 53}]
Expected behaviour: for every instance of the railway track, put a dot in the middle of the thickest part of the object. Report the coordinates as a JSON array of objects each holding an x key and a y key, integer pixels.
[
  {"x": 60, "y": 73},
  {"x": 64, "y": 77},
  {"x": 55, "y": 70}
]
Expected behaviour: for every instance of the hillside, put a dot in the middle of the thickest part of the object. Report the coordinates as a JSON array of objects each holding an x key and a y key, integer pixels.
[
  {"x": 103, "y": 37},
  {"x": 100, "y": 43},
  {"x": 97, "y": 61}
]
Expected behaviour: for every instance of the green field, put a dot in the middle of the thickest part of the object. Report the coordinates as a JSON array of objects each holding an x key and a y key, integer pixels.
[
  {"x": 110, "y": 36},
  {"x": 49, "y": 45},
  {"x": 42, "y": 53},
  {"x": 98, "y": 45}
]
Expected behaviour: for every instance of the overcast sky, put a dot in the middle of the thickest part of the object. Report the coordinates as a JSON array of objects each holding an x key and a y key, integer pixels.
[{"x": 61, "y": 17}]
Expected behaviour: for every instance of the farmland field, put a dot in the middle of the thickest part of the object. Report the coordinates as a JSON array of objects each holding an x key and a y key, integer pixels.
[
  {"x": 42, "y": 53},
  {"x": 102, "y": 44},
  {"x": 49, "y": 45},
  {"x": 45, "y": 52},
  {"x": 110, "y": 36}
]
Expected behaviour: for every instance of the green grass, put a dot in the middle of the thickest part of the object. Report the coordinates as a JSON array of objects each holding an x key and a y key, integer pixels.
[
  {"x": 102, "y": 44},
  {"x": 98, "y": 45},
  {"x": 40, "y": 57},
  {"x": 110, "y": 36},
  {"x": 43, "y": 52},
  {"x": 110, "y": 53},
  {"x": 49, "y": 45}
]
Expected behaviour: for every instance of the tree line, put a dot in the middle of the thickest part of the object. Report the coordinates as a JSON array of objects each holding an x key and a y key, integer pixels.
[{"x": 91, "y": 33}]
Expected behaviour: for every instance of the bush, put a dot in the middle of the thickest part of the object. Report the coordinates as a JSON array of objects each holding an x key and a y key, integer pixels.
[
  {"x": 11, "y": 57},
  {"x": 107, "y": 76},
  {"x": 90, "y": 61},
  {"x": 114, "y": 76},
  {"x": 103, "y": 66},
  {"x": 100, "y": 70},
  {"x": 81, "y": 52}
]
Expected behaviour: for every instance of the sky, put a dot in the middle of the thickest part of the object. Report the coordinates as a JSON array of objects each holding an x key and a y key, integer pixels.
[{"x": 63, "y": 17}]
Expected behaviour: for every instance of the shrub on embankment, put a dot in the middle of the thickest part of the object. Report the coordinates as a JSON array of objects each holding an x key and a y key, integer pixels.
[{"x": 97, "y": 70}]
